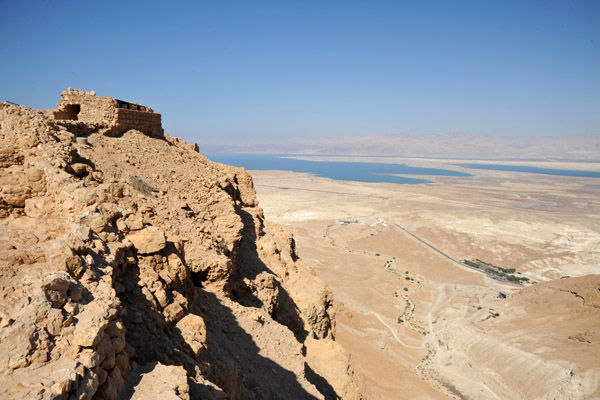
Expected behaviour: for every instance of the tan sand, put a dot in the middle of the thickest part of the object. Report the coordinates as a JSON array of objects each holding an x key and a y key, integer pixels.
[{"x": 418, "y": 324}]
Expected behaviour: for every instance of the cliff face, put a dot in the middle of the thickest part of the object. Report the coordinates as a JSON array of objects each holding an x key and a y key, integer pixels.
[{"x": 134, "y": 267}]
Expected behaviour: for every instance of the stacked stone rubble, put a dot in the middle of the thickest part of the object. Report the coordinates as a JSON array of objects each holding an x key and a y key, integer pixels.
[{"x": 107, "y": 285}]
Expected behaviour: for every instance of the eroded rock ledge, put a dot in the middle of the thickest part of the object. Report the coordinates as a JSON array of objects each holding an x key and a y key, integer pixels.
[{"x": 134, "y": 267}]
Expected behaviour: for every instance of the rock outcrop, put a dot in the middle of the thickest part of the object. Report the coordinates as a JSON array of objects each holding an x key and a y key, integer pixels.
[{"x": 134, "y": 267}]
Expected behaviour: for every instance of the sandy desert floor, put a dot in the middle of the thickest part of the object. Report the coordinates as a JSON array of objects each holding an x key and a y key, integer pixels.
[{"x": 417, "y": 323}]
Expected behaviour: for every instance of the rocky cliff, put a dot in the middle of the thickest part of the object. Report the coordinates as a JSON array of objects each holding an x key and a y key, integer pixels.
[{"x": 134, "y": 267}]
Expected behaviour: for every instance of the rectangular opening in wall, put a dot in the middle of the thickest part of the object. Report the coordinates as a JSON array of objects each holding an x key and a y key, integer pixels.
[{"x": 70, "y": 112}]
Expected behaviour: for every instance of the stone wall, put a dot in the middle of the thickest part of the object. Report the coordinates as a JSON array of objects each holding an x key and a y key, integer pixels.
[
  {"x": 91, "y": 109},
  {"x": 105, "y": 115},
  {"x": 147, "y": 122}
]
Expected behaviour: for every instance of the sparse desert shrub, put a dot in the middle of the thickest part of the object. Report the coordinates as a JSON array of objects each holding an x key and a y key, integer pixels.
[{"x": 140, "y": 185}]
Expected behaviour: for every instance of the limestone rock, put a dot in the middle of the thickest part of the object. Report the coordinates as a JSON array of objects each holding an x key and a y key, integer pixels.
[
  {"x": 160, "y": 381},
  {"x": 56, "y": 286},
  {"x": 148, "y": 240},
  {"x": 89, "y": 330},
  {"x": 80, "y": 169},
  {"x": 9, "y": 157},
  {"x": 15, "y": 195},
  {"x": 108, "y": 292},
  {"x": 193, "y": 332},
  {"x": 329, "y": 360},
  {"x": 38, "y": 207},
  {"x": 134, "y": 222},
  {"x": 94, "y": 220},
  {"x": 34, "y": 174}
]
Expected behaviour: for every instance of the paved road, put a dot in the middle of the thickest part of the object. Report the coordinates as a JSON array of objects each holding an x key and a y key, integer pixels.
[{"x": 429, "y": 245}]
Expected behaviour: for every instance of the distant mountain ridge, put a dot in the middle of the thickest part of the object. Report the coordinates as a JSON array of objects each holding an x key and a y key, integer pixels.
[{"x": 452, "y": 145}]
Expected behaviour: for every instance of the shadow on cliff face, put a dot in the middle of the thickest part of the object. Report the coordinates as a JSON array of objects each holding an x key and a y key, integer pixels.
[
  {"x": 282, "y": 307},
  {"x": 248, "y": 267},
  {"x": 320, "y": 383},
  {"x": 235, "y": 363},
  {"x": 154, "y": 339},
  {"x": 230, "y": 360}
]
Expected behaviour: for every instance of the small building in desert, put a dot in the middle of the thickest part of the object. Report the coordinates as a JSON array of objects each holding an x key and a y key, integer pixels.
[{"x": 105, "y": 115}]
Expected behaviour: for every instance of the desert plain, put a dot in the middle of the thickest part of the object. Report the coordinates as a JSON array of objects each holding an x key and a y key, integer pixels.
[{"x": 417, "y": 322}]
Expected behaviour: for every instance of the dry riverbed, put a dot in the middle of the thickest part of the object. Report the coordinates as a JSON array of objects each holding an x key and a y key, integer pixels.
[{"x": 417, "y": 323}]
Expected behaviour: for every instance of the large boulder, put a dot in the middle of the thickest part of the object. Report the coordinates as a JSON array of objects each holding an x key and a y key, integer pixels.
[{"x": 149, "y": 240}]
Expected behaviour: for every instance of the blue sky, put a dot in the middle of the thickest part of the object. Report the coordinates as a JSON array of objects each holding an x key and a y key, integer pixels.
[{"x": 268, "y": 70}]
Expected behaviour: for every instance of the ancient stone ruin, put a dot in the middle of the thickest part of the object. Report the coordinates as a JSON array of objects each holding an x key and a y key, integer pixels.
[
  {"x": 86, "y": 113},
  {"x": 136, "y": 268}
]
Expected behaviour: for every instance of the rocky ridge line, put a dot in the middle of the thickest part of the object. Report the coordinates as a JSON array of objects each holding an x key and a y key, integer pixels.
[{"x": 134, "y": 267}]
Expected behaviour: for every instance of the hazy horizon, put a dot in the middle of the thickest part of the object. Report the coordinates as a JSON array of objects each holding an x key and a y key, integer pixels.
[
  {"x": 464, "y": 146},
  {"x": 271, "y": 71}
]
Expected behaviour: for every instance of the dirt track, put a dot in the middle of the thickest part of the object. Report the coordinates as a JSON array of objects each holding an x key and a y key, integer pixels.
[{"x": 348, "y": 231}]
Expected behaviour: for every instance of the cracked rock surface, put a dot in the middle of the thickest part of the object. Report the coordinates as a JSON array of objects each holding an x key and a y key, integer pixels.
[{"x": 134, "y": 267}]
